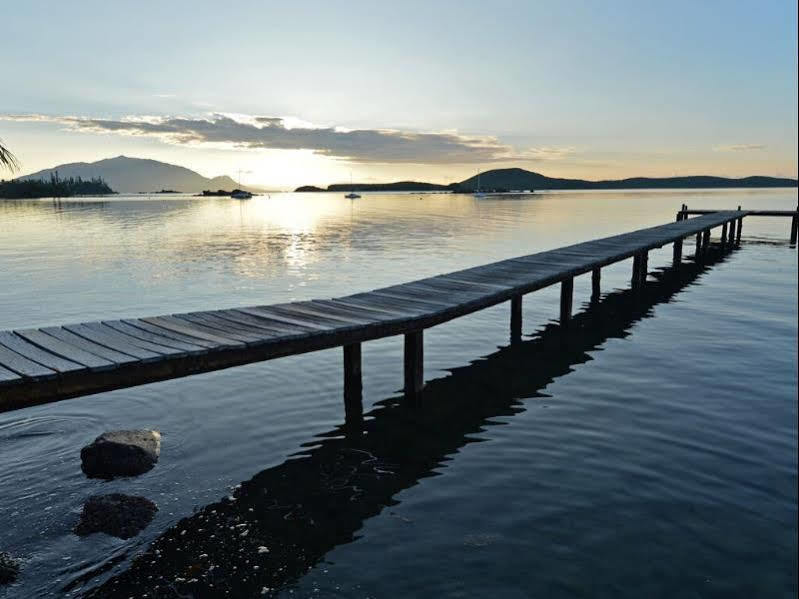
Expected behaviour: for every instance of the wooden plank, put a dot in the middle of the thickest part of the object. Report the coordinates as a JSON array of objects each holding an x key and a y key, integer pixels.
[
  {"x": 408, "y": 308},
  {"x": 22, "y": 366},
  {"x": 272, "y": 329},
  {"x": 394, "y": 314},
  {"x": 301, "y": 311},
  {"x": 270, "y": 323},
  {"x": 348, "y": 309},
  {"x": 144, "y": 350},
  {"x": 183, "y": 327},
  {"x": 220, "y": 326},
  {"x": 37, "y": 354},
  {"x": 152, "y": 328},
  {"x": 156, "y": 339},
  {"x": 414, "y": 300},
  {"x": 66, "y": 350},
  {"x": 199, "y": 323},
  {"x": 7, "y": 377},
  {"x": 266, "y": 313},
  {"x": 101, "y": 351}
]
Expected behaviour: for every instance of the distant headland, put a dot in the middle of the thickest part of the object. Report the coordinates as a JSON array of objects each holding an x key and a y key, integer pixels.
[
  {"x": 517, "y": 179},
  {"x": 139, "y": 175},
  {"x": 53, "y": 187}
]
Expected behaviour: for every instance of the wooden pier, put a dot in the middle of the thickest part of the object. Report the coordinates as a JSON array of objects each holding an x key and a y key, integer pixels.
[{"x": 53, "y": 363}]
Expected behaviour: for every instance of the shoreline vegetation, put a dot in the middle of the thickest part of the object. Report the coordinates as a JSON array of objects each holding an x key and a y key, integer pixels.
[
  {"x": 511, "y": 179},
  {"x": 55, "y": 187},
  {"x": 218, "y": 193}
]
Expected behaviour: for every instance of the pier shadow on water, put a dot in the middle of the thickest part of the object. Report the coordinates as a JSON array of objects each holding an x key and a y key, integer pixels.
[{"x": 279, "y": 524}]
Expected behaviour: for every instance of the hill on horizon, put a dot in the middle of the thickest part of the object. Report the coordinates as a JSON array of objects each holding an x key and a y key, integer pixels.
[
  {"x": 516, "y": 179},
  {"x": 519, "y": 178},
  {"x": 133, "y": 175}
]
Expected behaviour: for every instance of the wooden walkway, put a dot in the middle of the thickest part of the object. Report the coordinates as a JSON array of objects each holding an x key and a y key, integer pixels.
[{"x": 58, "y": 362}]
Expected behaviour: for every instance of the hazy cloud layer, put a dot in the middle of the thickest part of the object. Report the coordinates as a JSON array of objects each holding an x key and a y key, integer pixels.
[
  {"x": 740, "y": 147},
  {"x": 358, "y": 145}
]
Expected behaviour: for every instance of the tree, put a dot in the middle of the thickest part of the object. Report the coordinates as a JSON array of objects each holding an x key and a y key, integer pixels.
[{"x": 7, "y": 159}]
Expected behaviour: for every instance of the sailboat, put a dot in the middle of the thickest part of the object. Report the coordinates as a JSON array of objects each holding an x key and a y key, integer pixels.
[
  {"x": 351, "y": 195},
  {"x": 477, "y": 192},
  {"x": 240, "y": 194}
]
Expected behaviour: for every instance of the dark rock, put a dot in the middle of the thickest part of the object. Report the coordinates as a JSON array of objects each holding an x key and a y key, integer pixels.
[
  {"x": 118, "y": 515},
  {"x": 9, "y": 568},
  {"x": 121, "y": 453}
]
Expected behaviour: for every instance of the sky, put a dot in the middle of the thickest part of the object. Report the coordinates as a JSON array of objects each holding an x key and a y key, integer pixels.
[{"x": 290, "y": 93}]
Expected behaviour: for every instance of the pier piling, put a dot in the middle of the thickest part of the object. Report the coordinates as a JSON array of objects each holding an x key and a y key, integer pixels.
[
  {"x": 596, "y": 277},
  {"x": 353, "y": 385},
  {"x": 566, "y": 294},
  {"x": 414, "y": 364},
  {"x": 516, "y": 319}
]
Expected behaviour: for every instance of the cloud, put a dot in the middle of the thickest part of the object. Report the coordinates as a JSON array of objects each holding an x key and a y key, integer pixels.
[
  {"x": 548, "y": 153},
  {"x": 279, "y": 133},
  {"x": 740, "y": 147}
]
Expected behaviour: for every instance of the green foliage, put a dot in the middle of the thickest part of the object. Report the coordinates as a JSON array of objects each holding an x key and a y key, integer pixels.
[
  {"x": 7, "y": 159},
  {"x": 54, "y": 188}
]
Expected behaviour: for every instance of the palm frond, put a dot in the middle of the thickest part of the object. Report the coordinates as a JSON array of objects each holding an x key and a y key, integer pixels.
[{"x": 7, "y": 159}]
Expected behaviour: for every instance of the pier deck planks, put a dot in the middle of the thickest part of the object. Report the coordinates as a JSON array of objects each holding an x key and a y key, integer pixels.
[{"x": 52, "y": 363}]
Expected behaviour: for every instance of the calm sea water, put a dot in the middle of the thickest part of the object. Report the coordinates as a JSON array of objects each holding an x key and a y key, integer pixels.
[{"x": 651, "y": 451}]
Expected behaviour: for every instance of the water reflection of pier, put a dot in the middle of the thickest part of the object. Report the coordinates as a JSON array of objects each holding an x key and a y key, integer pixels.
[{"x": 287, "y": 518}]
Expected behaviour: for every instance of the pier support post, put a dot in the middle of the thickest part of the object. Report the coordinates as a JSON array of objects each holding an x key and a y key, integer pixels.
[
  {"x": 724, "y": 236},
  {"x": 566, "y": 294},
  {"x": 636, "y": 278},
  {"x": 596, "y": 277},
  {"x": 644, "y": 267},
  {"x": 516, "y": 319},
  {"x": 677, "y": 253},
  {"x": 738, "y": 232},
  {"x": 640, "y": 269},
  {"x": 706, "y": 241},
  {"x": 794, "y": 225},
  {"x": 353, "y": 386},
  {"x": 698, "y": 251},
  {"x": 414, "y": 364}
]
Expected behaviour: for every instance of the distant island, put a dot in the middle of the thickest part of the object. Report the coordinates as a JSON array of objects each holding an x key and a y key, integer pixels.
[
  {"x": 218, "y": 193},
  {"x": 139, "y": 175},
  {"x": 53, "y": 187},
  {"x": 517, "y": 179}
]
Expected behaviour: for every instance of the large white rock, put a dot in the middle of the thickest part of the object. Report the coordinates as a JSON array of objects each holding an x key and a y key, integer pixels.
[{"x": 121, "y": 453}]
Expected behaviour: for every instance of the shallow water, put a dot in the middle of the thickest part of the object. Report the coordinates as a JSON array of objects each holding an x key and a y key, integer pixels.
[{"x": 651, "y": 451}]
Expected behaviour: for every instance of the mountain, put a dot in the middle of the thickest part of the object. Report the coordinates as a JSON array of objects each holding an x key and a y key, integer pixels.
[
  {"x": 133, "y": 175},
  {"x": 518, "y": 178},
  {"x": 505, "y": 179}
]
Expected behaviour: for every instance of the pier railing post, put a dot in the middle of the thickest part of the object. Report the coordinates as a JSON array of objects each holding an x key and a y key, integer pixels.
[
  {"x": 414, "y": 364},
  {"x": 677, "y": 253},
  {"x": 516, "y": 319},
  {"x": 353, "y": 385},
  {"x": 596, "y": 278},
  {"x": 566, "y": 294}
]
